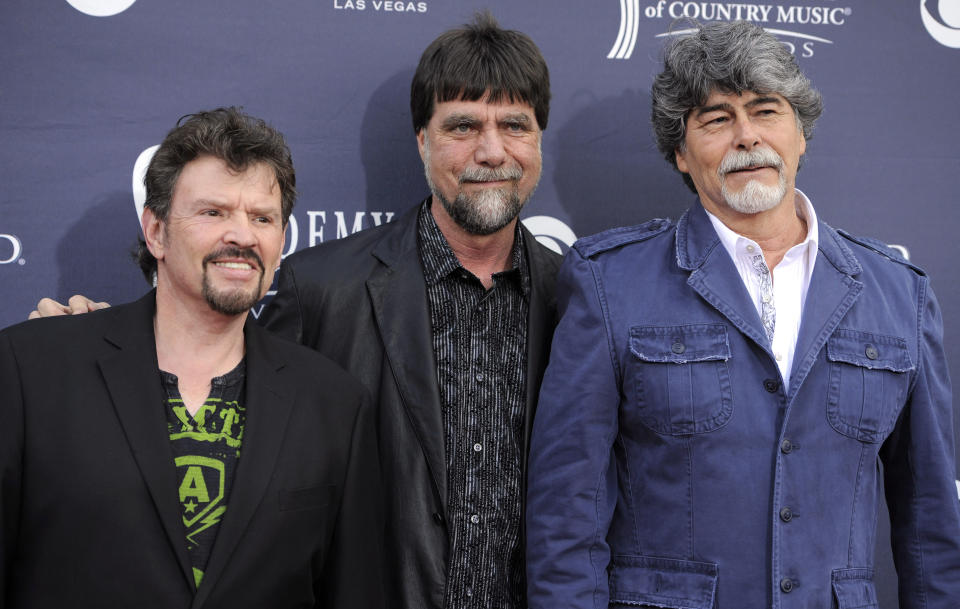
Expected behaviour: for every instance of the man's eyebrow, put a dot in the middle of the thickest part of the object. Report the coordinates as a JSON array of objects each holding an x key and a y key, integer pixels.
[
  {"x": 759, "y": 101},
  {"x": 516, "y": 117},
  {"x": 458, "y": 119},
  {"x": 713, "y": 108}
]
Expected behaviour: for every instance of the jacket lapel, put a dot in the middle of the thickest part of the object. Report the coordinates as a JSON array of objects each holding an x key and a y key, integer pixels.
[
  {"x": 131, "y": 376},
  {"x": 832, "y": 292},
  {"x": 269, "y": 403},
  {"x": 714, "y": 276},
  {"x": 398, "y": 295},
  {"x": 542, "y": 320}
]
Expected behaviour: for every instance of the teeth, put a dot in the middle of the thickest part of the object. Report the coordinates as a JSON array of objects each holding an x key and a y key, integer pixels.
[{"x": 233, "y": 265}]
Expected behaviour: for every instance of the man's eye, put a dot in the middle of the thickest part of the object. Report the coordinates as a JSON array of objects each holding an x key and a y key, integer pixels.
[
  {"x": 211, "y": 212},
  {"x": 717, "y": 120},
  {"x": 462, "y": 127},
  {"x": 517, "y": 127},
  {"x": 264, "y": 219}
]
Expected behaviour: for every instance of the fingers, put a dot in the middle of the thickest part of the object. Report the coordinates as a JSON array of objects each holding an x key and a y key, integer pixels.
[
  {"x": 78, "y": 304},
  {"x": 81, "y": 304}
]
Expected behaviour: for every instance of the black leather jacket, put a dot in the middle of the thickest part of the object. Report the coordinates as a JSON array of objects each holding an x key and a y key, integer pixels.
[{"x": 362, "y": 302}]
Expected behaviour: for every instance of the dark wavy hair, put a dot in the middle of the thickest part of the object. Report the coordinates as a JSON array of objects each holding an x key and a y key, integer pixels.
[
  {"x": 732, "y": 58},
  {"x": 476, "y": 60},
  {"x": 240, "y": 140}
]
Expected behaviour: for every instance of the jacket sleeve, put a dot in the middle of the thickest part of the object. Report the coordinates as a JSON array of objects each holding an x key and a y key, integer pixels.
[
  {"x": 11, "y": 449},
  {"x": 284, "y": 314},
  {"x": 920, "y": 477},
  {"x": 572, "y": 478},
  {"x": 353, "y": 574}
]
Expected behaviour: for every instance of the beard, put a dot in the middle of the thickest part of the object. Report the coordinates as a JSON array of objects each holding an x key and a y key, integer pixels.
[
  {"x": 755, "y": 196},
  {"x": 237, "y": 300},
  {"x": 488, "y": 210}
]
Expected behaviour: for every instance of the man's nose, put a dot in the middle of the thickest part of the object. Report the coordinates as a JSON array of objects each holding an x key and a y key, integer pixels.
[
  {"x": 490, "y": 148},
  {"x": 240, "y": 231},
  {"x": 747, "y": 135}
]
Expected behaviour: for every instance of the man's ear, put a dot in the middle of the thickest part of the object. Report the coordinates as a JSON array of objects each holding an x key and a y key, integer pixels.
[
  {"x": 154, "y": 233},
  {"x": 681, "y": 161},
  {"x": 421, "y": 140}
]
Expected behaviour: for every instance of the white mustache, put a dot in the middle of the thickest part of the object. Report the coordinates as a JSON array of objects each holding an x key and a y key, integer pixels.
[
  {"x": 485, "y": 174},
  {"x": 741, "y": 159}
]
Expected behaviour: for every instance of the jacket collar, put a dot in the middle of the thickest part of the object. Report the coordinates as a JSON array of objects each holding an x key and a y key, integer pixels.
[{"x": 833, "y": 287}]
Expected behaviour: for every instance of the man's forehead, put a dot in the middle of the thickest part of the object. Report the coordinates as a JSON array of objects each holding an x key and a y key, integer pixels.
[
  {"x": 720, "y": 96},
  {"x": 484, "y": 105},
  {"x": 210, "y": 178}
]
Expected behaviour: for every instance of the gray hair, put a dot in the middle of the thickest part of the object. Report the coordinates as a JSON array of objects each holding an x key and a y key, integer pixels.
[{"x": 731, "y": 58}]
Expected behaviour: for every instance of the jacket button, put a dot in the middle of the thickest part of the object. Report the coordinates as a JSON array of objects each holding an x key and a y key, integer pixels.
[
  {"x": 786, "y": 514},
  {"x": 438, "y": 517},
  {"x": 786, "y": 446},
  {"x": 771, "y": 385},
  {"x": 678, "y": 347},
  {"x": 786, "y": 584},
  {"x": 871, "y": 352}
]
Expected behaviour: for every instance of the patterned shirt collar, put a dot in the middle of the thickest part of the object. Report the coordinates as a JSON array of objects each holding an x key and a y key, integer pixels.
[{"x": 439, "y": 261}]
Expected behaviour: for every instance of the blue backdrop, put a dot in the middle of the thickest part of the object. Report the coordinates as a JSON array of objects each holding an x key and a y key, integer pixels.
[{"x": 87, "y": 85}]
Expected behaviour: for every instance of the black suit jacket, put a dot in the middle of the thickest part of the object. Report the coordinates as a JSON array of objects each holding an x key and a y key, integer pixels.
[
  {"x": 88, "y": 496},
  {"x": 362, "y": 302}
]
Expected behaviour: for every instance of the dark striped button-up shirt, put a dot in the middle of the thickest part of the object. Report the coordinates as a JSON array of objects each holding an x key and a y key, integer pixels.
[{"x": 479, "y": 343}]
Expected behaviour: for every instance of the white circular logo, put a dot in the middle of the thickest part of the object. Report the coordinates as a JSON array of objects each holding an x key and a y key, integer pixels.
[
  {"x": 17, "y": 248},
  {"x": 550, "y": 232},
  {"x": 947, "y": 30},
  {"x": 139, "y": 174},
  {"x": 101, "y": 8}
]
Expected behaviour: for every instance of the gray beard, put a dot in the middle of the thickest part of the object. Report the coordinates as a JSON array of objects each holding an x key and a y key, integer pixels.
[
  {"x": 484, "y": 213},
  {"x": 755, "y": 197}
]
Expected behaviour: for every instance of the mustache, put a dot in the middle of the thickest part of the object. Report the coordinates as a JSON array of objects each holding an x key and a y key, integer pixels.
[
  {"x": 233, "y": 252},
  {"x": 741, "y": 159},
  {"x": 486, "y": 174}
]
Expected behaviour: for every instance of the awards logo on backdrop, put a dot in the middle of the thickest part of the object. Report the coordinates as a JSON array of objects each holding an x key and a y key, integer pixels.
[
  {"x": 946, "y": 28},
  {"x": 101, "y": 8},
  {"x": 782, "y": 15},
  {"x": 14, "y": 255}
]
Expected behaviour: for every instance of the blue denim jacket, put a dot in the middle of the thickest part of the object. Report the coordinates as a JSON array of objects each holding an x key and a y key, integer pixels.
[{"x": 669, "y": 468}]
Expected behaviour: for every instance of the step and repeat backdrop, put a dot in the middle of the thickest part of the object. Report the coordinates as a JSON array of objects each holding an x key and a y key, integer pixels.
[{"x": 89, "y": 87}]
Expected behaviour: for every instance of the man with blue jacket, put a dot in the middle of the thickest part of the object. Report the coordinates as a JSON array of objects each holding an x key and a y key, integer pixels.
[{"x": 722, "y": 391}]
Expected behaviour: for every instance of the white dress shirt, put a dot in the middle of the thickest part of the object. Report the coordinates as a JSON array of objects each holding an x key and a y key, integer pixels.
[{"x": 791, "y": 279}]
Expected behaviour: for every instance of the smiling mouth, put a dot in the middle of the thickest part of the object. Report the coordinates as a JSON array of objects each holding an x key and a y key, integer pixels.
[{"x": 235, "y": 265}]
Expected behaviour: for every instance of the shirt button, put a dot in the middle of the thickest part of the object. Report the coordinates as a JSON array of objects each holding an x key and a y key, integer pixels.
[
  {"x": 678, "y": 347},
  {"x": 750, "y": 248},
  {"x": 469, "y": 591},
  {"x": 786, "y": 446},
  {"x": 779, "y": 356},
  {"x": 771, "y": 385},
  {"x": 475, "y": 519},
  {"x": 479, "y": 377},
  {"x": 871, "y": 352},
  {"x": 786, "y": 514},
  {"x": 786, "y": 584},
  {"x": 477, "y": 447},
  {"x": 765, "y": 298}
]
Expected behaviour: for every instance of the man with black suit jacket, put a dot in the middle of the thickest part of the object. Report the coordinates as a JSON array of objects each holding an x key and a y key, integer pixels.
[
  {"x": 446, "y": 316},
  {"x": 166, "y": 453}
]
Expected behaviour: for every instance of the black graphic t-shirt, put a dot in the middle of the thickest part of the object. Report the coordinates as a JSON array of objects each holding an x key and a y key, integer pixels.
[{"x": 206, "y": 450}]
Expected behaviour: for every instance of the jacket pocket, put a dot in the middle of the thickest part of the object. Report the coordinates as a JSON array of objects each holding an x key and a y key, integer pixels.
[
  {"x": 869, "y": 378},
  {"x": 308, "y": 497},
  {"x": 680, "y": 377},
  {"x": 853, "y": 589},
  {"x": 642, "y": 581}
]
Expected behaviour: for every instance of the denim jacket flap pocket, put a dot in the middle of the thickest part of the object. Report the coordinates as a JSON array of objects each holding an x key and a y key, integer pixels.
[
  {"x": 662, "y": 582},
  {"x": 681, "y": 383},
  {"x": 868, "y": 383},
  {"x": 680, "y": 344},
  {"x": 869, "y": 350},
  {"x": 854, "y": 589}
]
